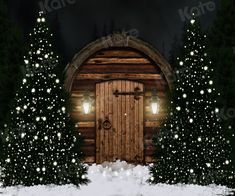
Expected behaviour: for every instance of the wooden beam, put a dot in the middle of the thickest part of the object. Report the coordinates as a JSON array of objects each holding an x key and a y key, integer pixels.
[
  {"x": 152, "y": 123},
  {"x": 80, "y": 116},
  {"x": 85, "y": 124},
  {"x": 161, "y": 114},
  {"x": 149, "y": 94},
  {"x": 89, "y": 132},
  {"x": 149, "y": 159},
  {"x": 89, "y": 159},
  {"x": 80, "y": 94},
  {"x": 104, "y": 61},
  {"x": 119, "y": 68},
  {"x": 119, "y": 76},
  {"x": 89, "y": 142},
  {"x": 88, "y": 150},
  {"x": 118, "y": 53}
]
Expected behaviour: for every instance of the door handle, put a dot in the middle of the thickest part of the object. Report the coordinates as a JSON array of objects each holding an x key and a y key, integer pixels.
[{"x": 104, "y": 124}]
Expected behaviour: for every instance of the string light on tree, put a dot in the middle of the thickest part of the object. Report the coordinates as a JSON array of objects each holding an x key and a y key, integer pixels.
[
  {"x": 45, "y": 149},
  {"x": 192, "y": 21},
  {"x": 8, "y": 160},
  {"x": 192, "y": 140},
  {"x": 208, "y": 164},
  {"x": 205, "y": 68},
  {"x": 26, "y": 61},
  {"x": 24, "y": 81}
]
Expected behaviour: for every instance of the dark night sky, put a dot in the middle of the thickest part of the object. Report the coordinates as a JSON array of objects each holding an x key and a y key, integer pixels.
[{"x": 80, "y": 22}]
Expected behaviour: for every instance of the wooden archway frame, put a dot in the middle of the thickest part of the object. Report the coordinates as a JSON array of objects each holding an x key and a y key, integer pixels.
[{"x": 117, "y": 40}]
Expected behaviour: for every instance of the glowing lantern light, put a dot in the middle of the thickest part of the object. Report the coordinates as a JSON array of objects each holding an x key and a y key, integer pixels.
[
  {"x": 154, "y": 102},
  {"x": 86, "y": 103}
]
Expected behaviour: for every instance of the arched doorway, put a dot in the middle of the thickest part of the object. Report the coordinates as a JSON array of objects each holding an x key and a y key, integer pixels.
[{"x": 112, "y": 82}]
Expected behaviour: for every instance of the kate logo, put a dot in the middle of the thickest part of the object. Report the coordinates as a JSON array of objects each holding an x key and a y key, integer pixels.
[{"x": 51, "y": 5}]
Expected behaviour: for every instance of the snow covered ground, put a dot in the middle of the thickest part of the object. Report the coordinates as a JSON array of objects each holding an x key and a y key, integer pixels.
[{"x": 117, "y": 179}]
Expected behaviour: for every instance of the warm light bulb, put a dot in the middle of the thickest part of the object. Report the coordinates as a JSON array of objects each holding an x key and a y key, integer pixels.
[
  {"x": 86, "y": 107},
  {"x": 192, "y": 21},
  {"x": 154, "y": 107}
]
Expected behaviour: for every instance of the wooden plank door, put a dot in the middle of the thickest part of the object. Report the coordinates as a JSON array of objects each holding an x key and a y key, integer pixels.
[{"x": 119, "y": 122}]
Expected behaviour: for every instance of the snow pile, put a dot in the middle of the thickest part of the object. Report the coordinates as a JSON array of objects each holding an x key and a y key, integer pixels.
[{"x": 117, "y": 179}]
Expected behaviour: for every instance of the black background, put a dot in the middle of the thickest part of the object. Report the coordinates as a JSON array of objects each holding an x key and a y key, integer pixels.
[{"x": 78, "y": 23}]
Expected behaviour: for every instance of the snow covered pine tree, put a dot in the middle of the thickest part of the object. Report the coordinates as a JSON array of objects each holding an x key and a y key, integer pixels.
[
  {"x": 41, "y": 147},
  {"x": 193, "y": 147}
]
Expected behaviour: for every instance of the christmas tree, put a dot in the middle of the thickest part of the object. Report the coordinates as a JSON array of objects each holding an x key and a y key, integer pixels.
[
  {"x": 41, "y": 147},
  {"x": 193, "y": 147}
]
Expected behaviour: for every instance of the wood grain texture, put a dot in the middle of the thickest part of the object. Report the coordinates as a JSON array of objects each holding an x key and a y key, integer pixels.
[
  {"x": 110, "y": 117},
  {"x": 118, "y": 53},
  {"x": 128, "y": 121},
  {"x": 115, "y": 123},
  {"x": 106, "y": 116},
  {"x": 136, "y": 130},
  {"x": 148, "y": 68},
  {"x": 118, "y": 42},
  {"x": 85, "y": 124},
  {"x": 141, "y": 126},
  {"x": 80, "y": 93},
  {"x": 118, "y": 117},
  {"x": 87, "y": 133},
  {"x": 152, "y": 123},
  {"x": 119, "y": 76},
  {"x": 88, "y": 150},
  {"x": 101, "y": 116},
  {"x": 122, "y": 145},
  {"x": 123, "y": 141},
  {"x": 117, "y": 60},
  {"x": 78, "y": 115},
  {"x": 132, "y": 125},
  {"x": 89, "y": 159},
  {"x": 122, "y": 69},
  {"x": 97, "y": 124},
  {"x": 149, "y": 159}
]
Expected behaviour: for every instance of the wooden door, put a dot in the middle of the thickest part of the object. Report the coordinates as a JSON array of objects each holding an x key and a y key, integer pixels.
[{"x": 119, "y": 122}]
